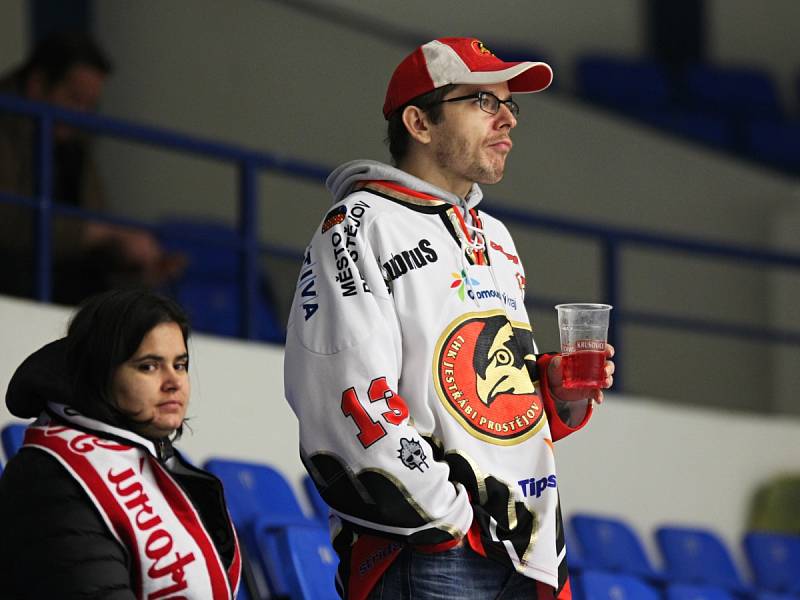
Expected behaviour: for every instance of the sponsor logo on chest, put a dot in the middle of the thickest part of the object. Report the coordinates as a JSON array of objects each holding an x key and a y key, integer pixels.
[
  {"x": 409, "y": 260},
  {"x": 536, "y": 486},
  {"x": 471, "y": 287}
]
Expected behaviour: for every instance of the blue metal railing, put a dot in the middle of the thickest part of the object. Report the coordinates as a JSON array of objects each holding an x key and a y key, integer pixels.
[{"x": 250, "y": 163}]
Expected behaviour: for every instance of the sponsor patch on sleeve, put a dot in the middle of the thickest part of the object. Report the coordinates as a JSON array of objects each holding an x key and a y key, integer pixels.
[{"x": 336, "y": 216}]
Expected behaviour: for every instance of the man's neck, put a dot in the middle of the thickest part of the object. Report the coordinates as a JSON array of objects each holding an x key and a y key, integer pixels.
[{"x": 425, "y": 169}]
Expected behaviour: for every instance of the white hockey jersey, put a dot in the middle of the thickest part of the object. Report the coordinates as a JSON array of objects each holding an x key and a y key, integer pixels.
[{"x": 423, "y": 409}]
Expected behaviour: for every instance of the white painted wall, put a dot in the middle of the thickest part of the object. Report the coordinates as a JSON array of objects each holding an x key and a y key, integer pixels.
[
  {"x": 638, "y": 459},
  {"x": 652, "y": 464}
]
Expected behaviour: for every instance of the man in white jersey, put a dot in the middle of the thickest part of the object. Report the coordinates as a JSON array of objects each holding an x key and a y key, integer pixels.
[{"x": 427, "y": 415}]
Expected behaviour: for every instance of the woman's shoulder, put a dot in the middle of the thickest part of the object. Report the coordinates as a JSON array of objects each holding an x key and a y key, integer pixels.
[
  {"x": 32, "y": 464},
  {"x": 33, "y": 479}
]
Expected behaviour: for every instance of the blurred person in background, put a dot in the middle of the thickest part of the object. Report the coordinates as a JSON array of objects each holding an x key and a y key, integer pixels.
[
  {"x": 427, "y": 415},
  {"x": 98, "y": 503},
  {"x": 68, "y": 70}
]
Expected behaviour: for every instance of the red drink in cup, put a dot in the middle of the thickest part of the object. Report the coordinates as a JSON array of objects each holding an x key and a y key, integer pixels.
[
  {"x": 584, "y": 369},
  {"x": 583, "y": 329}
]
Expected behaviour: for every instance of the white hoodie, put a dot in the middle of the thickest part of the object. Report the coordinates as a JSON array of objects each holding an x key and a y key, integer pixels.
[{"x": 424, "y": 413}]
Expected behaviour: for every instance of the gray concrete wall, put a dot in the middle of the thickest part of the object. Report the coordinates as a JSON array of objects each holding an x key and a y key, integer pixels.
[
  {"x": 267, "y": 76},
  {"x": 13, "y": 33},
  {"x": 784, "y": 310},
  {"x": 758, "y": 34},
  {"x": 275, "y": 78}
]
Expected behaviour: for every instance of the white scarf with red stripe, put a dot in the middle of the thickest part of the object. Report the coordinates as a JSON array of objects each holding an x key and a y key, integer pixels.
[{"x": 173, "y": 556}]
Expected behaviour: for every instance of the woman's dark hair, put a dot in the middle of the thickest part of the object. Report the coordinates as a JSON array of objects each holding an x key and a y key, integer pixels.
[
  {"x": 396, "y": 133},
  {"x": 57, "y": 53},
  {"x": 104, "y": 333}
]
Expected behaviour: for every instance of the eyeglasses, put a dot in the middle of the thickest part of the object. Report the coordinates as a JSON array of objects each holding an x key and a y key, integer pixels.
[{"x": 487, "y": 101}]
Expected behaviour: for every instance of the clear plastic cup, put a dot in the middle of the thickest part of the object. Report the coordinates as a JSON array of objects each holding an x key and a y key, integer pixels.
[{"x": 584, "y": 333}]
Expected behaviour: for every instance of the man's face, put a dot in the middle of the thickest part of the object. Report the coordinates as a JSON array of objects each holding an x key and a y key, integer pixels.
[
  {"x": 470, "y": 145},
  {"x": 80, "y": 89}
]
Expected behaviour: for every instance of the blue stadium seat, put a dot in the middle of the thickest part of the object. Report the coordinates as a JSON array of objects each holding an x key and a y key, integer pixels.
[
  {"x": 739, "y": 92},
  {"x": 777, "y": 144},
  {"x": 598, "y": 585},
  {"x": 209, "y": 245},
  {"x": 775, "y": 560},
  {"x": 683, "y": 591},
  {"x": 260, "y": 501},
  {"x": 623, "y": 83},
  {"x": 209, "y": 288},
  {"x": 774, "y": 596},
  {"x": 575, "y": 560},
  {"x": 309, "y": 562},
  {"x": 244, "y": 593},
  {"x": 254, "y": 490},
  {"x": 12, "y": 435},
  {"x": 701, "y": 127},
  {"x": 321, "y": 509},
  {"x": 214, "y": 306},
  {"x": 609, "y": 544},
  {"x": 694, "y": 555}
]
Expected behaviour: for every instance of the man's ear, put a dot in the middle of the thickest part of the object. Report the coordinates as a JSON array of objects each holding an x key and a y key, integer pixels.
[
  {"x": 417, "y": 124},
  {"x": 35, "y": 88}
]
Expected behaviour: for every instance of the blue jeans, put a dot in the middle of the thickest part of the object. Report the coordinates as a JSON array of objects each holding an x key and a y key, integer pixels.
[{"x": 456, "y": 574}]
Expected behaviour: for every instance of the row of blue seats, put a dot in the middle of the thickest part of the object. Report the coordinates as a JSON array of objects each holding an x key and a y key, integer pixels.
[
  {"x": 600, "y": 585},
  {"x": 734, "y": 108},
  {"x": 289, "y": 553},
  {"x": 732, "y": 91},
  {"x": 694, "y": 556}
]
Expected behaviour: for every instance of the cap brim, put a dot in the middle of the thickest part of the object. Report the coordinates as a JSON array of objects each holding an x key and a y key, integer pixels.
[{"x": 522, "y": 78}]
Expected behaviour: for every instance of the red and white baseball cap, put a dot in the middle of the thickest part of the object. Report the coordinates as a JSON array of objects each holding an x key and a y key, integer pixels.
[{"x": 460, "y": 61}]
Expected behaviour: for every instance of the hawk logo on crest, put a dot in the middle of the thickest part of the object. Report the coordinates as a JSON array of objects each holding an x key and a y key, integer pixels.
[
  {"x": 501, "y": 369},
  {"x": 485, "y": 375},
  {"x": 334, "y": 217}
]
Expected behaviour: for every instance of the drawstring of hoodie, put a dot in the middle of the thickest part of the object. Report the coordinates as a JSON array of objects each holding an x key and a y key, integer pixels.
[
  {"x": 470, "y": 246},
  {"x": 478, "y": 243}
]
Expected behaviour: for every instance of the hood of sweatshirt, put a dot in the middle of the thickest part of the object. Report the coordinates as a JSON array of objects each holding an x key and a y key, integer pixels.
[
  {"x": 41, "y": 378},
  {"x": 341, "y": 181}
]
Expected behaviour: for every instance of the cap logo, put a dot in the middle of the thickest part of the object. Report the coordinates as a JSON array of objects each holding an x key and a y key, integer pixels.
[{"x": 479, "y": 48}]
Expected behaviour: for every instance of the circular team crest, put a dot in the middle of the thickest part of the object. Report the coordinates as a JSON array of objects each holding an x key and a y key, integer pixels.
[{"x": 481, "y": 375}]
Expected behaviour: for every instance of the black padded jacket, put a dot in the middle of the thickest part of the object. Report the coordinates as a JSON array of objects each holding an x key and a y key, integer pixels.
[{"x": 53, "y": 543}]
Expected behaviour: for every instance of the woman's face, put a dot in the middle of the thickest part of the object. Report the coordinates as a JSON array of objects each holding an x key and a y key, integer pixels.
[{"x": 153, "y": 384}]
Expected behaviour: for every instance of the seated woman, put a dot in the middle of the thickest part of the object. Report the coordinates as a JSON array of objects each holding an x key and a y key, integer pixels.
[{"x": 98, "y": 503}]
